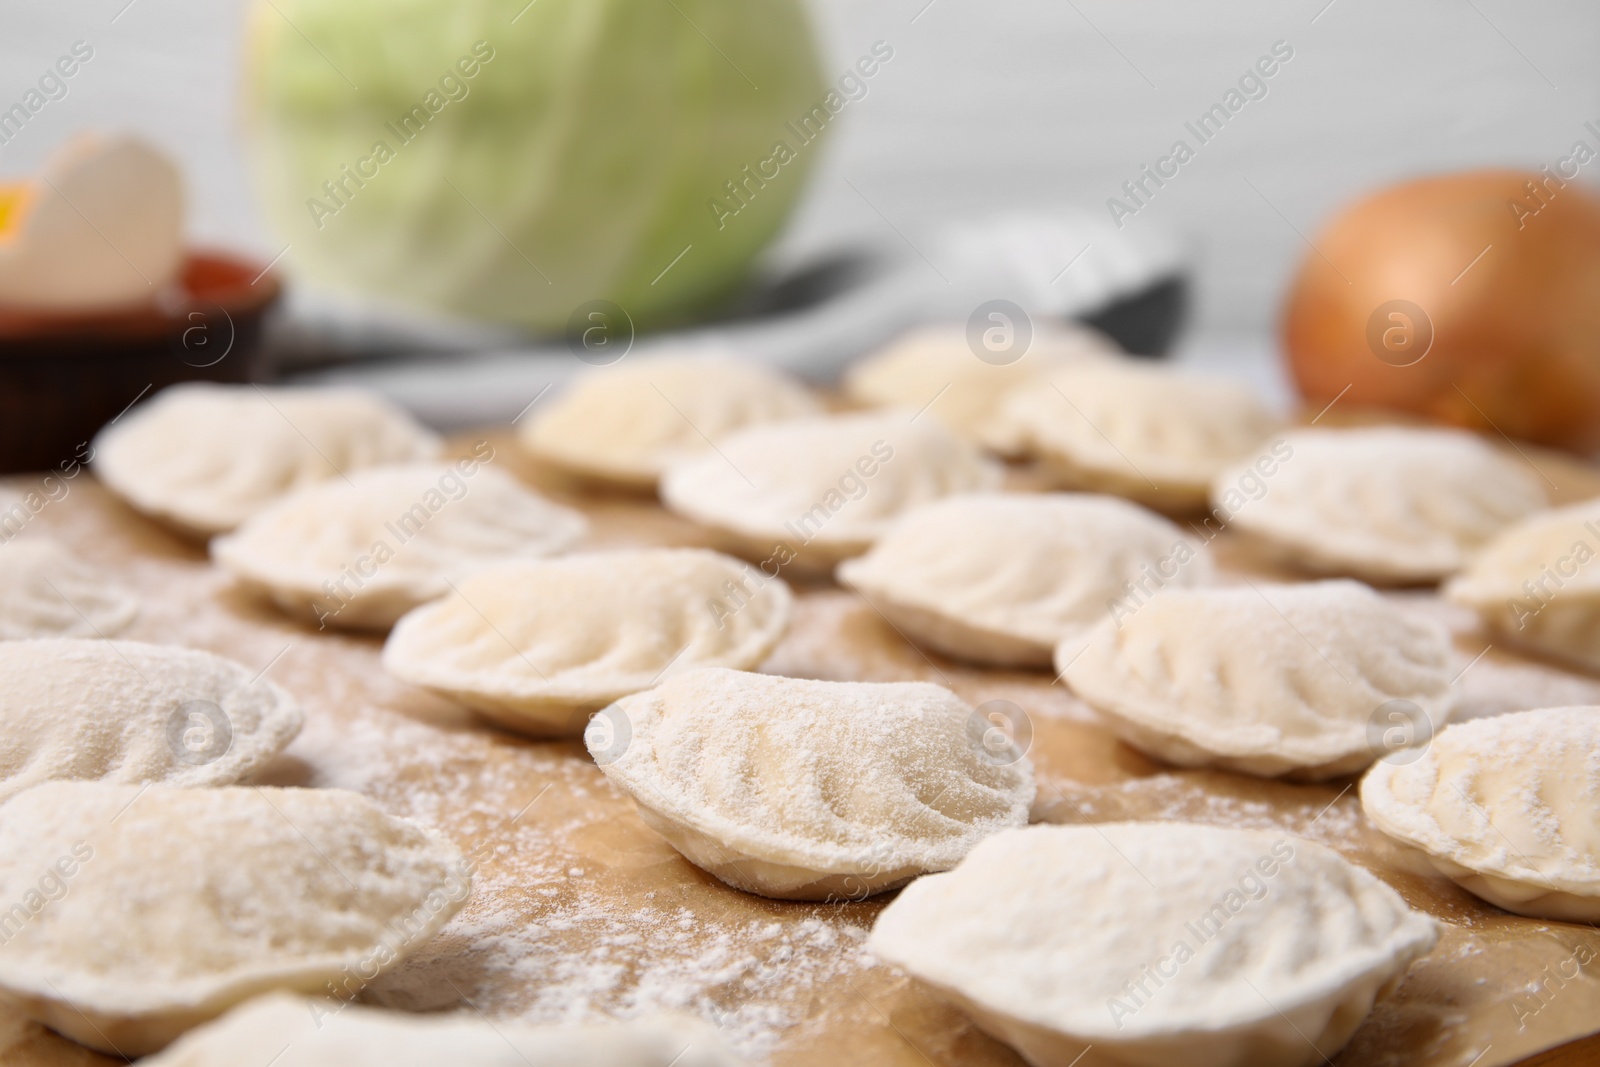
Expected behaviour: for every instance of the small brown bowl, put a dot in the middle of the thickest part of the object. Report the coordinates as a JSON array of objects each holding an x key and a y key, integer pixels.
[{"x": 63, "y": 376}]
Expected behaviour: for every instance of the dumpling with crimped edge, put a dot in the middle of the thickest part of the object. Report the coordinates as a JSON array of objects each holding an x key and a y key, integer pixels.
[
  {"x": 1002, "y": 578},
  {"x": 358, "y": 553},
  {"x": 128, "y": 713},
  {"x": 170, "y": 905},
  {"x": 935, "y": 366},
  {"x": 812, "y": 492},
  {"x": 1144, "y": 944},
  {"x": 1508, "y": 807},
  {"x": 812, "y": 790},
  {"x": 625, "y": 424},
  {"x": 1294, "y": 680},
  {"x": 1536, "y": 584},
  {"x": 1386, "y": 504},
  {"x": 538, "y": 644},
  {"x": 1150, "y": 433},
  {"x": 202, "y": 458},
  {"x": 280, "y": 1030},
  {"x": 47, "y": 591}
]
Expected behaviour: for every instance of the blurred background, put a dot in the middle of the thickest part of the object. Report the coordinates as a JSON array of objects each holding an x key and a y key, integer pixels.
[{"x": 1019, "y": 109}]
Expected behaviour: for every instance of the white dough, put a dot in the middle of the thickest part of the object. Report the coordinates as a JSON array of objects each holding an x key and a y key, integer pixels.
[
  {"x": 1536, "y": 583},
  {"x": 537, "y": 645},
  {"x": 144, "y": 911},
  {"x": 821, "y": 490},
  {"x": 359, "y": 554},
  {"x": 626, "y": 423},
  {"x": 935, "y": 367},
  {"x": 46, "y": 591},
  {"x": 129, "y": 713},
  {"x": 287, "y": 1031},
  {"x": 1386, "y": 504},
  {"x": 1141, "y": 431},
  {"x": 811, "y": 790},
  {"x": 1509, "y": 807},
  {"x": 203, "y": 458},
  {"x": 1002, "y": 578},
  {"x": 1153, "y": 944},
  {"x": 1301, "y": 680}
]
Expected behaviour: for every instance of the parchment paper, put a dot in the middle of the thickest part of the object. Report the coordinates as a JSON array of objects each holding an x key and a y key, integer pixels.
[{"x": 580, "y": 911}]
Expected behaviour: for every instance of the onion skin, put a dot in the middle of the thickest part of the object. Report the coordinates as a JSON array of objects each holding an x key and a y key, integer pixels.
[{"x": 1515, "y": 337}]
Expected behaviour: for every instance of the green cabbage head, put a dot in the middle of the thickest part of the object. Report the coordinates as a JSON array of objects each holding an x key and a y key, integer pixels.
[{"x": 511, "y": 160}]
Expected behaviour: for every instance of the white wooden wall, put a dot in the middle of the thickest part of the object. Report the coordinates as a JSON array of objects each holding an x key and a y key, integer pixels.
[{"x": 994, "y": 104}]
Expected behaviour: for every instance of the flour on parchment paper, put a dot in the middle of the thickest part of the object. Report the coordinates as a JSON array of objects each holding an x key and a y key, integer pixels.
[
  {"x": 547, "y": 937},
  {"x": 1500, "y": 680},
  {"x": 752, "y": 979}
]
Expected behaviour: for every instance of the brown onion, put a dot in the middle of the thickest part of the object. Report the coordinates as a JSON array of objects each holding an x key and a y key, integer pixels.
[{"x": 1472, "y": 299}]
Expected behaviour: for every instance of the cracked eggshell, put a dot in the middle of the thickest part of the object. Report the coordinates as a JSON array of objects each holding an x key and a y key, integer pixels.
[{"x": 101, "y": 227}]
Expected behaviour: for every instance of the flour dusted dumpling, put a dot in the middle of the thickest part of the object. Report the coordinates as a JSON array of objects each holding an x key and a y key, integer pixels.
[
  {"x": 1156, "y": 944},
  {"x": 203, "y": 458},
  {"x": 146, "y": 910},
  {"x": 536, "y": 645},
  {"x": 1004, "y": 577},
  {"x": 1117, "y": 426},
  {"x": 1303, "y": 680},
  {"x": 810, "y": 790},
  {"x": 816, "y": 491},
  {"x": 46, "y": 591},
  {"x": 279, "y": 1030},
  {"x": 936, "y": 367},
  {"x": 1387, "y": 504},
  {"x": 360, "y": 553},
  {"x": 1536, "y": 584},
  {"x": 127, "y": 712},
  {"x": 1508, "y": 807},
  {"x": 626, "y": 423}
]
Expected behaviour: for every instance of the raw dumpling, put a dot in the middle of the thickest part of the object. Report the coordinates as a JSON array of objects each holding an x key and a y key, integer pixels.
[
  {"x": 360, "y": 553},
  {"x": 815, "y": 491},
  {"x": 128, "y": 713},
  {"x": 935, "y": 367},
  {"x": 1535, "y": 584},
  {"x": 810, "y": 790},
  {"x": 1003, "y": 578},
  {"x": 204, "y": 457},
  {"x": 1121, "y": 937},
  {"x": 1149, "y": 433},
  {"x": 624, "y": 424},
  {"x": 1508, "y": 807},
  {"x": 146, "y": 910},
  {"x": 1299, "y": 680},
  {"x": 1387, "y": 504},
  {"x": 279, "y": 1030},
  {"x": 537, "y": 645},
  {"x": 46, "y": 591}
]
